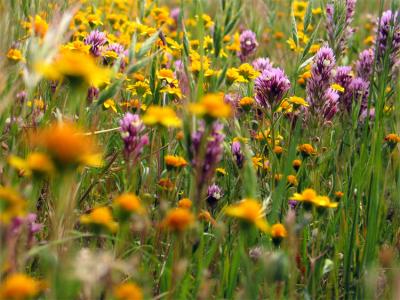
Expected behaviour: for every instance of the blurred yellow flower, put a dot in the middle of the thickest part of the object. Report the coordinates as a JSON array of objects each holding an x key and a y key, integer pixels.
[
  {"x": 212, "y": 106},
  {"x": 36, "y": 162},
  {"x": 110, "y": 104},
  {"x": 250, "y": 211},
  {"x": 178, "y": 219},
  {"x": 15, "y": 54},
  {"x": 11, "y": 204},
  {"x": 129, "y": 202},
  {"x": 19, "y": 286},
  {"x": 158, "y": 115},
  {"x": 100, "y": 216}
]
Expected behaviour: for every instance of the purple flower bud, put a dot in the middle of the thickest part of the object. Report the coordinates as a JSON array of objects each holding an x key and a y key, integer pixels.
[
  {"x": 270, "y": 87},
  {"x": 248, "y": 44},
  {"x": 214, "y": 194},
  {"x": 261, "y": 64},
  {"x": 96, "y": 39},
  {"x": 237, "y": 153},
  {"x": 132, "y": 134}
]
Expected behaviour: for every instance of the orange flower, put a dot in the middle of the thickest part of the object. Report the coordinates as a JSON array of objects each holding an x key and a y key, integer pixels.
[
  {"x": 306, "y": 150},
  {"x": 19, "y": 286},
  {"x": 185, "y": 203},
  {"x": 129, "y": 203},
  {"x": 178, "y": 219},
  {"x": 128, "y": 291},
  {"x": 175, "y": 161}
]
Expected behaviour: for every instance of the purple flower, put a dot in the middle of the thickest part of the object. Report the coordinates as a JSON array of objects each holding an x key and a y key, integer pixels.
[
  {"x": 29, "y": 222},
  {"x": 260, "y": 64},
  {"x": 96, "y": 39},
  {"x": 214, "y": 194},
  {"x": 248, "y": 44},
  {"x": 365, "y": 64},
  {"x": 321, "y": 78},
  {"x": 237, "y": 153},
  {"x": 205, "y": 166},
  {"x": 175, "y": 12},
  {"x": 270, "y": 87},
  {"x": 389, "y": 30},
  {"x": 331, "y": 104},
  {"x": 132, "y": 134}
]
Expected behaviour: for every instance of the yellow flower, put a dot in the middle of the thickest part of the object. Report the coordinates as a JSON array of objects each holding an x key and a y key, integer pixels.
[
  {"x": 248, "y": 72},
  {"x": 278, "y": 231},
  {"x": 129, "y": 203},
  {"x": 166, "y": 74},
  {"x": 307, "y": 196},
  {"x": 317, "y": 11},
  {"x": 100, "y": 216},
  {"x": 324, "y": 202},
  {"x": 213, "y": 106},
  {"x": 260, "y": 162},
  {"x": 172, "y": 91},
  {"x": 110, "y": 104},
  {"x": 233, "y": 76},
  {"x": 235, "y": 46},
  {"x": 246, "y": 102},
  {"x": 165, "y": 116},
  {"x": 250, "y": 211},
  {"x": 306, "y": 150},
  {"x": 68, "y": 146},
  {"x": 337, "y": 87},
  {"x": 140, "y": 88},
  {"x": 77, "y": 45},
  {"x": 178, "y": 219},
  {"x": 314, "y": 48},
  {"x": 298, "y": 101},
  {"x": 75, "y": 66},
  {"x": 128, "y": 291},
  {"x": 37, "y": 103},
  {"x": 36, "y": 162},
  {"x": 221, "y": 171},
  {"x": 175, "y": 161},
  {"x": 11, "y": 204},
  {"x": 185, "y": 203},
  {"x": 15, "y": 54},
  {"x": 19, "y": 286}
]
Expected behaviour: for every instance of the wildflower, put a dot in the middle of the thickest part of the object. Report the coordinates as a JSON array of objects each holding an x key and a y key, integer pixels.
[
  {"x": 96, "y": 40},
  {"x": 99, "y": 218},
  {"x": 237, "y": 153},
  {"x": 232, "y": 76},
  {"x": 364, "y": 64},
  {"x": 270, "y": 87},
  {"x": 261, "y": 64},
  {"x": 167, "y": 75},
  {"x": 247, "y": 72},
  {"x": 11, "y": 204},
  {"x": 248, "y": 44},
  {"x": 221, "y": 171},
  {"x": 166, "y": 184},
  {"x": 140, "y": 88},
  {"x": 132, "y": 129},
  {"x": 128, "y": 202},
  {"x": 392, "y": 140},
  {"x": 292, "y": 180},
  {"x": 278, "y": 233},
  {"x": 337, "y": 87},
  {"x": 15, "y": 54},
  {"x": 213, "y": 151},
  {"x": 185, "y": 203},
  {"x": 339, "y": 195},
  {"x": 321, "y": 78},
  {"x": 178, "y": 220},
  {"x": 308, "y": 197},
  {"x": 19, "y": 286},
  {"x": 298, "y": 101},
  {"x": 212, "y": 106},
  {"x": 128, "y": 291},
  {"x": 324, "y": 202},
  {"x": 67, "y": 145},
  {"x": 250, "y": 211},
  {"x": 174, "y": 161},
  {"x": 214, "y": 194},
  {"x": 306, "y": 150},
  {"x": 246, "y": 103},
  {"x": 110, "y": 104},
  {"x": 174, "y": 91},
  {"x": 296, "y": 164},
  {"x": 76, "y": 67},
  {"x": 165, "y": 116},
  {"x": 207, "y": 217},
  {"x": 35, "y": 163},
  {"x": 260, "y": 162},
  {"x": 278, "y": 150}
]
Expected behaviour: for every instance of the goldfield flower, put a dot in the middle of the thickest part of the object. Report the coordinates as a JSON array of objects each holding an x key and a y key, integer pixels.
[
  {"x": 212, "y": 106},
  {"x": 185, "y": 203},
  {"x": 250, "y": 211},
  {"x": 128, "y": 291},
  {"x": 12, "y": 205},
  {"x": 129, "y": 203},
  {"x": 68, "y": 146},
  {"x": 36, "y": 163},
  {"x": 100, "y": 218},
  {"x": 15, "y": 54},
  {"x": 278, "y": 232},
  {"x": 140, "y": 88},
  {"x": 178, "y": 220},
  {"x": 270, "y": 87},
  {"x": 110, "y": 104},
  {"x": 78, "y": 68},
  {"x": 324, "y": 202},
  {"x": 167, "y": 75},
  {"x": 164, "y": 116},
  {"x": 174, "y": 161},
  {"x": 306, "y": 150},
  {"x": 298, "y": 101},
  {"x": 247, "y": 72},
  {"x": 19, "y": 286},
  {"x": 308, "y": 196}
]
